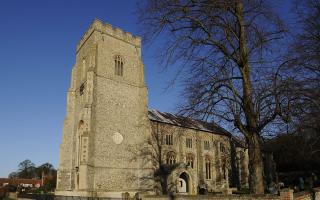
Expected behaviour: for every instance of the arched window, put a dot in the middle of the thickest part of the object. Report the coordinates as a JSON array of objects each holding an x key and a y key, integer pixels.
[
  {"x": 224, "y": 166},
  {"x": 206, "y": 145},
  {"x": 208, "y": 167},
  {"x": 190, "y": 160},
  {"x": 169, "y": 139},
  {"x": 171, "y": 158},
  {"x": 80, "y": 125},
  {"x": 118, "y": 65},
  {"x": 222, "y": 148},
  {"x": 189, "y": 142}
]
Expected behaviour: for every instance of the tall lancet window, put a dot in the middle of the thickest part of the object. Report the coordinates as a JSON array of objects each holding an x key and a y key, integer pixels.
[
  {"x": 118, "y": 65},
  {"x": 208, "y": 167}
]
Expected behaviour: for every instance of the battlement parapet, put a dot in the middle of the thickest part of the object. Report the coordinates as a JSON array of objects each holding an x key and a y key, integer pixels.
[{"x": 108, "y": 29}]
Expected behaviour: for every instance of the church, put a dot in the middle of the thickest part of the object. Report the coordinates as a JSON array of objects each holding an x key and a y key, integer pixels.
[{"x": 112, "y": 143}]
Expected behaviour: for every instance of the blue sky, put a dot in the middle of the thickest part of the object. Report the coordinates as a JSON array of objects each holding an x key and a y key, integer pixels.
[{"x": 37, "y": 50}]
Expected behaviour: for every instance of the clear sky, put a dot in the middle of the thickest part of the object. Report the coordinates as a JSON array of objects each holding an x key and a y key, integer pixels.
[{"x": 37, "y": 51}]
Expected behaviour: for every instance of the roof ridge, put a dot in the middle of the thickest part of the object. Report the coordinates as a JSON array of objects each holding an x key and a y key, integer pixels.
[{"x": 187, "y": 122}]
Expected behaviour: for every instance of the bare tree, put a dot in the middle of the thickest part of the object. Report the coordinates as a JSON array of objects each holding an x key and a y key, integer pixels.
[
  {"x": 306, "y": 52},
  {"x": 230, "y": 63},
  {"x": 303, "y": 127},
  {"x": 306, "y": 45},
  {"x": 155, "y": 153}
]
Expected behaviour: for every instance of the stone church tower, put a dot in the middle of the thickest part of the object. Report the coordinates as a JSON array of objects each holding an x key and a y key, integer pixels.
[{"x": 106, "y": 122}]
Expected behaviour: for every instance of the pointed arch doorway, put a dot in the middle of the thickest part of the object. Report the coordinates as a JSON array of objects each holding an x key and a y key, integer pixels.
[{"x": 184, "y": 183}]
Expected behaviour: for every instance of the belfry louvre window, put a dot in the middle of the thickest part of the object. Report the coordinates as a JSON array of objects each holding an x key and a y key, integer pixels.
[
  {"x": 169, "y": 139},
  {"x": 118, "y": 65},
  {"x": 208, "y": 168},
  {"x": 189, "y": 143},
  {"x": 206, "y": 145}
]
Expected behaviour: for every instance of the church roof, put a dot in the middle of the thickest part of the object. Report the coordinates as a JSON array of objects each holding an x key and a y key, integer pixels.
[{"x": 186, "y": 122}]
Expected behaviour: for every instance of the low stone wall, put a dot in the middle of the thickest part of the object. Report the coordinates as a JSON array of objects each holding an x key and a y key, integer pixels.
[
  {"x": 303, "y": 196},
  {"x": 216, "y": 197},
  {"x": 308, "y": 195},
  {"x": 317, "y": 193},
  {"x": 35, "y": 196},
  {"x": 285, "y": 194},
  {"x": 12, "y": 195},
  {"x": 89, "y": 198}
]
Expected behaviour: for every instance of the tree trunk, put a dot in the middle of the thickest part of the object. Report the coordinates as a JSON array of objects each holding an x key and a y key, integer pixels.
[
  {"x": 164, "y": 185},
  {"x": 256, "y": 181}
]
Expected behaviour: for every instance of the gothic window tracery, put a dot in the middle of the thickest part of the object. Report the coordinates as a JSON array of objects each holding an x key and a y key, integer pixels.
[
  {"x": 169, "y": 139},
  {"x": 189, "y": 142},
  {"x": 171, "y": 158},
  {"x": 206, "y": 145},
  {"x": 118, "y": 65}
]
